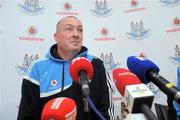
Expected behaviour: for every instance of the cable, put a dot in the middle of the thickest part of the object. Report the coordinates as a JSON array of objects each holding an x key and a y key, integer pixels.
[{"x": 94, "y": 108}]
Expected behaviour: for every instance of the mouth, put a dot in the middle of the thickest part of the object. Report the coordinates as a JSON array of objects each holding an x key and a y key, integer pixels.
[{"x": 75, "y": 42}]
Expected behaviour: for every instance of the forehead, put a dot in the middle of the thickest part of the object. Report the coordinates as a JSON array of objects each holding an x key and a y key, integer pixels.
[{"x": 71, "y": 21}]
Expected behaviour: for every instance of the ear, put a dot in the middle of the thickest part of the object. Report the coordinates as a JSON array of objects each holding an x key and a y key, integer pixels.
[{"x": 56, "y": 37}]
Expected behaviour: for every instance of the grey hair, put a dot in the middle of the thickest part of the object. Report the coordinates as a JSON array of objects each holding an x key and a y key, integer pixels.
[{"x": 60, "y": 21}]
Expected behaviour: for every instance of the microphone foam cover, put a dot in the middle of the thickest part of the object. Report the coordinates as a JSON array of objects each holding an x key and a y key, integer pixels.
[
  {"x": 61, "y": 108},
  {"x": 123, "y": 77},
  {"x": 78, "y": 64},
  {"x": 140, "y": 67}
]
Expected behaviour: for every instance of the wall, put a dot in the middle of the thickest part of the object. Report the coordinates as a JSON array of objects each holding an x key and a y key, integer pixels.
[{"x": 107, "y": 32}]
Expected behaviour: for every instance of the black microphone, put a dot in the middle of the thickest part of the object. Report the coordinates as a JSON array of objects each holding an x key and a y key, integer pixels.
[
  {"x": 147, "y": 112},
  {"x": 147, "y": 71}
]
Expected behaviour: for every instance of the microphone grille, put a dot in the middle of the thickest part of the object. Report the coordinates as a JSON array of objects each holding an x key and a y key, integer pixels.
[
  {"x": 61, "y": 108},
  {"x": 78, "y": 64}
]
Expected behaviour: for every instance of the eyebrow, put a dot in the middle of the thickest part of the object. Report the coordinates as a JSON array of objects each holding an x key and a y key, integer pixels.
[
  {"x": 73, "y": 25},
  {"x": 79, "y": 26}
]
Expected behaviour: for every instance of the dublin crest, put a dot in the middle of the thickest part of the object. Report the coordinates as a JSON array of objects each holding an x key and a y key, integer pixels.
[
  {"x": 101, "y": 9},
  {"x": 138, "y": 32},
  {"x": 31, "y": 7},
  {"x": 28, "y": 60},
  {"x": 109, "y": 62},
  {"x": 169, "y": 3},
  {"x": 176, "y": 59}
]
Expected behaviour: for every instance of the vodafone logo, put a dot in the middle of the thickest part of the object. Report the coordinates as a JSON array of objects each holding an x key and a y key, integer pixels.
[
  {"x": 53, "y": 82},
  {"x": 176, "y": 25},
  {"x": 67, "y": 10},
  {"x": 104, "y": 31},
  {"x": 32, "y": 35},
  {"x": 135, "y": 7},
  {"x": 32, "y": 30},
  {"x": 134, "y": 3},
  {"x": 176, "y": 21},
  {"x": 67, "y": 6},
  {"x": 142, "y": 55}
]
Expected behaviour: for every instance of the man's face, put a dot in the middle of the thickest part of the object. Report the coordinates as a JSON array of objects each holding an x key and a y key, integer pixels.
[{"x": 69, "y": 35}]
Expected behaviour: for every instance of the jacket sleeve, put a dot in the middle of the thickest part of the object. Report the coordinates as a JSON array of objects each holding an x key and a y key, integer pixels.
[
  {"x": 105, "y": 104},
  {"x": 29, "y": 108}
]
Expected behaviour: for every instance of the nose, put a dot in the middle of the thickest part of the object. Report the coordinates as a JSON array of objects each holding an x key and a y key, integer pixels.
[{"x": 76, "y": 33}]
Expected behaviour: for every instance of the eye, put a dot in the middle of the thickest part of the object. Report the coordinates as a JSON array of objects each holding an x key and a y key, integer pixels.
[
  {"x": 68, "y": 28},
  {"x": 80, "y": 29}
]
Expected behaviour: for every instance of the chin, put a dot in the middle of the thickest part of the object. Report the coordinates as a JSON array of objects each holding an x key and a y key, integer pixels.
[{"x": 76, "y": 49}]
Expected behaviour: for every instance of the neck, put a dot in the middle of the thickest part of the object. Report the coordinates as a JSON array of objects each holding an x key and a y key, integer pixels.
[{"x": 66, "y": 55}]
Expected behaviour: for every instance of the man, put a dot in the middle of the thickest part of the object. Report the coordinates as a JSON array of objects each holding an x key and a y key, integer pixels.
[{"x": 49, "y": 78}]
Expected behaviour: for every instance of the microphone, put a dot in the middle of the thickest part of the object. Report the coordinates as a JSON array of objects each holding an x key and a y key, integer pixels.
[
  {"x": 61, "y": 108},
  {"x": 176, "y": 105},
  {"x": 147, "y": 71},
  {"x": 81, "y": 71},
  {"x": 135, "y": 93},
  {"x": 122, "y": 77}
]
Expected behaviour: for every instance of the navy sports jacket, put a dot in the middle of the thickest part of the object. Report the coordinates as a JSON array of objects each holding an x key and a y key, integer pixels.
[{"x": 49, "y": 78}]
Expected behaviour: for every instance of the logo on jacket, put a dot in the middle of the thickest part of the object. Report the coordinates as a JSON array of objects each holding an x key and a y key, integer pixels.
[
  {"x": 169, "y": 3},
  {"x": 31, "y": 7},
  {"x": 176, "y": 59},
  {"x": 137, "y": 32},
  {"x": 53, "y": 82},
  {"x": 101, "y": 9},
  {"x": 27, "y": 62}
]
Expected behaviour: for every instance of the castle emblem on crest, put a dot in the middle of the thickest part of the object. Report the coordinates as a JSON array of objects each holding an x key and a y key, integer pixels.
[
  {"x": 169, "y": 3},
  {"x": 137, "y": 31},
  {"x": 109, "y": 62},
  {"x": 101, "y": 9},
  {"x": 31, "y": 7},
  {"x": 176, "y": 59},
  {"x": 28, "y": 60}
]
